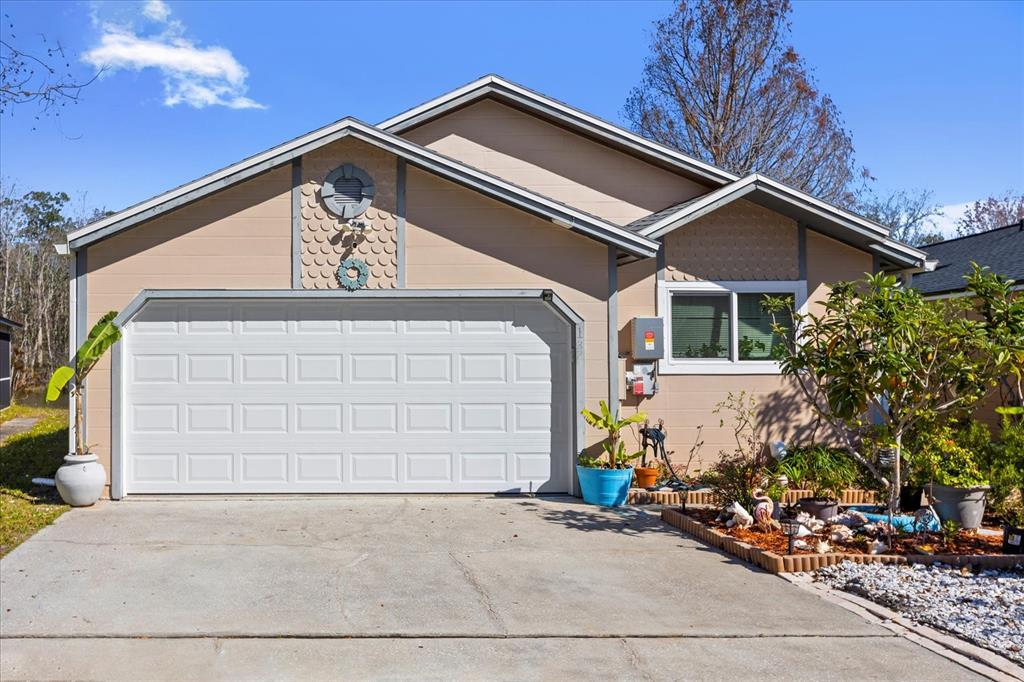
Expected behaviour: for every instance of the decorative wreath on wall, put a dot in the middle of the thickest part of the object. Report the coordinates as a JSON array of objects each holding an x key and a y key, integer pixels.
[{"x": 349, "y": 282}]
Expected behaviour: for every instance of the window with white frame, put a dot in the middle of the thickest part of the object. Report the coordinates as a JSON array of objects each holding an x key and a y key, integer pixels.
[{"x": 722, "y": 327}]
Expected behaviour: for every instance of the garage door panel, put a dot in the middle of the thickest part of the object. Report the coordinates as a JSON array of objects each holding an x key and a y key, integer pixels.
[
  {"x": 420, "y": 469},
  {"x": 328, "y": 396}
]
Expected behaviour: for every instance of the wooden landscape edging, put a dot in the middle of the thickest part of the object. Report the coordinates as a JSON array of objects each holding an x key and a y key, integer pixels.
[
  {"x": 641, "y": 496},
  {"x": 796, "y": 563}
]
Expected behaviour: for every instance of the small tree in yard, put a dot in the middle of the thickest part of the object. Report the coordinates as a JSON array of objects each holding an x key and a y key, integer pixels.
[
  {"x": 881, "y": 360},
  {"x": 103, "y": 335}
]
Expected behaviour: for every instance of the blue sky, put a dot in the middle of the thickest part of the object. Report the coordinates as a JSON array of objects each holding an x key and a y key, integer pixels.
[{"x": 933, "y": 93}]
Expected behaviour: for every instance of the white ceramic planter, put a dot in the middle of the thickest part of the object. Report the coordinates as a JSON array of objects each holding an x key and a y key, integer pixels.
[{"x": 80, "y": 480}]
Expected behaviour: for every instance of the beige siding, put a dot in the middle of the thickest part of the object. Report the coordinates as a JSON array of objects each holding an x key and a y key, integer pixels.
[
  {"x": 239, "y": 238},
  {"x": 554, "y": 162},
  {"x": 829, "y": 261},
  {"x": 457, "y": 238},
  {"x": 324, "y": 243},
  {"x": 686, "y": 402},
  {"x": 740, "y": 241}
]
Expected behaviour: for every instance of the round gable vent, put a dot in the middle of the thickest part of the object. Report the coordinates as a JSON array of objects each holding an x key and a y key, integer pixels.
[{"x": 347, "y": 191}]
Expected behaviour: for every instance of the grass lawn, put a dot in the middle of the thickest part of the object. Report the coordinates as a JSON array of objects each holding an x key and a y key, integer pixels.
[{"x": 24, "y": 507}]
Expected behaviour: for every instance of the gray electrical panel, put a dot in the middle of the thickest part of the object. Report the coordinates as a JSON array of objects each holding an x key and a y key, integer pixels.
[{"x": 648, "y": 338}]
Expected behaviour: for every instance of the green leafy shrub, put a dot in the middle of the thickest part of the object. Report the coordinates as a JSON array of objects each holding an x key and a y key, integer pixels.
[
  {"x": 613, "y": 446},
  {"x": 950, "y": 454},
  {"x": 1004, "y": 467},
  {"x": 825, "y": 471},
  {"x": 735, "y": 476}
]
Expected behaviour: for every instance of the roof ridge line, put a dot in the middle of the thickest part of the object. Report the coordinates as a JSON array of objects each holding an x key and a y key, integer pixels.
[{"x": 1019, "y": 225}]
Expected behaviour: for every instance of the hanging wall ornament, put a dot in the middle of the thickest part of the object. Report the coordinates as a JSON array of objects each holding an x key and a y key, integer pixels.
[{"x": 349, "y": 282}]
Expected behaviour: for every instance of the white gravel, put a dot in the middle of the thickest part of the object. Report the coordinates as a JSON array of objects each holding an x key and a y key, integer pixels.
[{"x": 986, "y": 608}]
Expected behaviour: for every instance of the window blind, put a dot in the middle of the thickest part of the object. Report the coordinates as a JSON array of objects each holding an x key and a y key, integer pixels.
[
  {"x": 756, "y": 339},
  {"x": 700, "y": 326}
]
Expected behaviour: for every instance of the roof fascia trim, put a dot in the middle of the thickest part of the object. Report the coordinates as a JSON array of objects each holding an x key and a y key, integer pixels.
[
  {"x": 569, "y": 116},
  {"x": 705, "y": 205},
  {"x": 865, "y": 228},
  {"x": 146, "y": 295},
  {"x": 415, "y": 154},
  {"x": 534, "y": 203}
]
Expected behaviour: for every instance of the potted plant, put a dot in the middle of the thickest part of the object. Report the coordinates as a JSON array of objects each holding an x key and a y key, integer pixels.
[
  {"x": 81, "y": 478},
  {"x": 957, "y": 489},
  {"x": 646, "y": 476},
  {"x": 825, "y": 471},
  {"x": 602, "y": 482}
]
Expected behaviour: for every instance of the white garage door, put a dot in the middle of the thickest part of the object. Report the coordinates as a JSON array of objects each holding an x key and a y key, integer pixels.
[{"x": 378, "y": 395}]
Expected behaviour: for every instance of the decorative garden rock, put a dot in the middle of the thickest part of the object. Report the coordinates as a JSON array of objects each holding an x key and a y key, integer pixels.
[{"x": 986, "y": 607}]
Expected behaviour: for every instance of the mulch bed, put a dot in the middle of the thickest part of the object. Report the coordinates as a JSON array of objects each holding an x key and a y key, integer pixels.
[
  {"x": 768, "y": 550},
  {"x": 926, "y": 543}
]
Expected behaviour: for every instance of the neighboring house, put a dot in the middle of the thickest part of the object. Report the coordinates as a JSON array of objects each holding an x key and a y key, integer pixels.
[
  {"x": 7, "y": 328},
  {"x": 508, "y": 242},
  {"x": 1001, "y": 250}
]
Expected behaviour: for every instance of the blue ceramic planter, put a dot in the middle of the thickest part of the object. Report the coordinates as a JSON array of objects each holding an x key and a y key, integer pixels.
[{"x": 604, "y": 487}]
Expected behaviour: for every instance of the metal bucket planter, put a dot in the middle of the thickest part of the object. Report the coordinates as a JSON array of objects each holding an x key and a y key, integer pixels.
[
  {"x": 604, "y": 487},
  {"x": 819, "y": 507},
  {"x": 965, "y": 506}
]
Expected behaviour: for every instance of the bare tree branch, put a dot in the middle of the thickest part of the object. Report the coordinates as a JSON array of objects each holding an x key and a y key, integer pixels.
[{"x": 722, "y": 85}]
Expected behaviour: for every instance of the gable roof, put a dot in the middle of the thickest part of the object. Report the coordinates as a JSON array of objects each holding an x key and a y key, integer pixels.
[
  {"x": 1001, "y": 250},
  {"x": 554, "y": 111},
  {"x": 817, "y": 214},
  {"x": 418, "y": 156}
]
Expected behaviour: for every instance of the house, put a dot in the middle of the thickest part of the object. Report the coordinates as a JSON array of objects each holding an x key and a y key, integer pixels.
[
  {"x": 500, "y": 243},
  {"x": 7, "y": 328},
  {"x": 1001, "y": 250}
]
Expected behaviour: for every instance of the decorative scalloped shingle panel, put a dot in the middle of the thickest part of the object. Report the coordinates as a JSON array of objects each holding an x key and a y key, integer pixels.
[
  {"x": 740, "y": 241},
  {"x": 324, "y": 244}
]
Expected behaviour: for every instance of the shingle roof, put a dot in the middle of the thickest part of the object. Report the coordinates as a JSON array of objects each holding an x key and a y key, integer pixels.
[
  {"x": 6, "y": 322},
  {"x": 652, "y": 218},
  {"x": 1001, "y": 250}
]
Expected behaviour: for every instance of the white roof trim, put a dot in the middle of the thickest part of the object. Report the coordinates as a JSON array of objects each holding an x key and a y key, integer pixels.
[
  {"x": 419, "y": 156},
  {"x": 724, "y": 195},
  {"x": 570, "y": 116}
]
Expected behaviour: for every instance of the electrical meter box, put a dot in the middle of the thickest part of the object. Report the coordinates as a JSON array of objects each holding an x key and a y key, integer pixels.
[{"x": 648, "y": 338}]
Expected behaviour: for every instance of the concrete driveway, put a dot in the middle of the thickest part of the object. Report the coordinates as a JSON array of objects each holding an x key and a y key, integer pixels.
[{"x": 414, "y": 587}]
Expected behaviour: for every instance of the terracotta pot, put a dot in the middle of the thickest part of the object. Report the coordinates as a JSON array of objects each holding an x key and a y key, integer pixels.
[{"x": 646, "y": 477}]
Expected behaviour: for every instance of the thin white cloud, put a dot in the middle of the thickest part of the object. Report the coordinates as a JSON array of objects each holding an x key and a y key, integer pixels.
[
  {"x": 157, "y": 10},
  {"x": 195, "y": 76},
  {"x": 946, "y": 223}
]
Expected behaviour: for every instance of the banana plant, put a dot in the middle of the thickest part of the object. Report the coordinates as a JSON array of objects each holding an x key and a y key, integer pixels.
[
  {"x": 613, "y": 446},
  {"x": 102, "y": 336}
]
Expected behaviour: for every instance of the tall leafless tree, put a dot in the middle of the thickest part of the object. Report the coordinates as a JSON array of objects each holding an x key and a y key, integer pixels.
[
  {"x": 907, "y": 214},
  {"x": 41, "y": 75},
  {"x": 723, "y": 85},
  {"x": 988, "y": 214}
]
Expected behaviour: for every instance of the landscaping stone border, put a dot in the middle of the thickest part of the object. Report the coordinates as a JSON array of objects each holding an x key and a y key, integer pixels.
[
  {"x": 797, "y": 563},
  {"x": 641, "y": 496}
]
